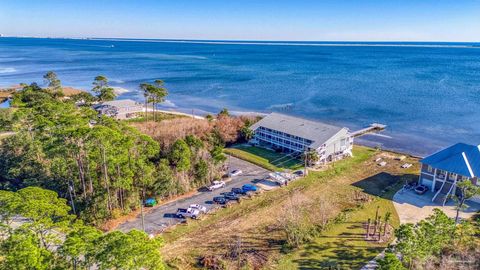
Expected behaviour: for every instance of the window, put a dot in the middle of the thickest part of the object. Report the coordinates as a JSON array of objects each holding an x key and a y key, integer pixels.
[{"x": 429, "y": 169}]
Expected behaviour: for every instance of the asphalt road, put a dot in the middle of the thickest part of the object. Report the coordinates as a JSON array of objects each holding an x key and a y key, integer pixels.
[{"x": 164, "y": 215}]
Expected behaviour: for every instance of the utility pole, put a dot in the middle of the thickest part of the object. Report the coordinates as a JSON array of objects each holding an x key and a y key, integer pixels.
[{"x": 306, "y": 162}]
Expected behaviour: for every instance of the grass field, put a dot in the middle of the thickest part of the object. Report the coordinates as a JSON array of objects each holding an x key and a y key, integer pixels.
[
  {"x": 255, "y": 221},
  {"x": 265, "y": 158}
]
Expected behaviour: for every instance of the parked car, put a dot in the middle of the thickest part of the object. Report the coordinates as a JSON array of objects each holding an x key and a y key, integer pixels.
[
  {"x": 220, "y": 200},
  {"x": 199, "y": 207},
  {"x": 231, "y": 196},
  {"x": 216, "y": 185},
  {"x": 239, "y": 191},
  {"x": 277, "y": 178},
  {"x": 150, "y": 202},
  {"x": 249, "y": 187},
  {"x": 421, "y": 189},
  {"x": 187, "y": 212},
  {"x": 235, "y": 173},
  {"x": 299, "y": 173}
]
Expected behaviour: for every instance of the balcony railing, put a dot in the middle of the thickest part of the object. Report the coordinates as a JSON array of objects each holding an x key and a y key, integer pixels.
[
  {"x": 277, "y": 143},
  {"x": 302, "y": 141}
]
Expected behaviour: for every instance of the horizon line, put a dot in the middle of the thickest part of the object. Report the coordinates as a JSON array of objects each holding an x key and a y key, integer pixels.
[
  {"x": 418, "y": 44},
  {"x": 231, "y": 40}
]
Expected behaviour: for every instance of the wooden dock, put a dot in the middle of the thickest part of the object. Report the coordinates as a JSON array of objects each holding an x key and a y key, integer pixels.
[{"x": 375, "y": 127}]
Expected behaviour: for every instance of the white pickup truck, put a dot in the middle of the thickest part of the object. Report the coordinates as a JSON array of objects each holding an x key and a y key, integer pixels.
[
  {"x": 187, "y": 212},
  {"x": 278, "y": 178},
  {"x": 199, "y": 207}
]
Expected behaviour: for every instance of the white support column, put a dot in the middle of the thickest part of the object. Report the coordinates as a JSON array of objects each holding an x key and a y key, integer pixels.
[{"x": 434, "y": 179}]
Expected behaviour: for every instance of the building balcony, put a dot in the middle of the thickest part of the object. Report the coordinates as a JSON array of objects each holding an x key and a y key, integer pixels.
[{"x": 281, "y": 136}]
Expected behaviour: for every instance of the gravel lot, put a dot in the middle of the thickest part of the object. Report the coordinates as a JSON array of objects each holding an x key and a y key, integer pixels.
[{"x": 164, "y": 216}]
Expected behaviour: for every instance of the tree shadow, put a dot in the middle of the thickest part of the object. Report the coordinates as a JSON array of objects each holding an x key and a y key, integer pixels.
[
  {"x": 341, "y": 255},
  {"x": 381, "y": 183}
]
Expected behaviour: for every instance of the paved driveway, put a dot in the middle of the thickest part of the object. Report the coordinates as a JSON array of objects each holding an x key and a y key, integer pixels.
[
  {"x": 163, "y": 216},
  {"x": 412, "y": 207}
]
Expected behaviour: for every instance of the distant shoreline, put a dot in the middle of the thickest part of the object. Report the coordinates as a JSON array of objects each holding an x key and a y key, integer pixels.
[{"x": 415, "y": 44}]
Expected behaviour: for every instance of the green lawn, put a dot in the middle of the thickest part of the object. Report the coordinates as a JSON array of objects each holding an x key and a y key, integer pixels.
[{"x": 265, "y": 158}]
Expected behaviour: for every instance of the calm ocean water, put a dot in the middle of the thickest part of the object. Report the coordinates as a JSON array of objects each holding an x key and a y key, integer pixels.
[{"x": 427, "y": 93}]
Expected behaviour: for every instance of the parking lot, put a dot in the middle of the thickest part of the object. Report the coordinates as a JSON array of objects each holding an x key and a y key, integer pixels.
[{"x": 163, "y": 216}]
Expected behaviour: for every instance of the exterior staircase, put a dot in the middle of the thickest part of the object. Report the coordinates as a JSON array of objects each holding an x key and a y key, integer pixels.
[{"x": 441, "y": 196}]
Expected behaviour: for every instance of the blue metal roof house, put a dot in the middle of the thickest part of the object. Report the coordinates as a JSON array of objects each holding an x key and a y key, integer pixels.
[{"x": 443, "y": 170}]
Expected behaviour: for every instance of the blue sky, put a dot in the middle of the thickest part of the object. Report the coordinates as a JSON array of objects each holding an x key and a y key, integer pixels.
[{"x": 367, "y": 20}]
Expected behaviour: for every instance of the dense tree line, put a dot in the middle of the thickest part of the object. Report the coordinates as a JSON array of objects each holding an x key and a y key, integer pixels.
[
  {"x": 101, "y": 167},
  {"x": 37, "y": 231},
  {"x": 104, "y": 167}
]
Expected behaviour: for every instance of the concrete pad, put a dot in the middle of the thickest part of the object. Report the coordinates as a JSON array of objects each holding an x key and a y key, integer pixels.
[{"x": 412, "y": 207}]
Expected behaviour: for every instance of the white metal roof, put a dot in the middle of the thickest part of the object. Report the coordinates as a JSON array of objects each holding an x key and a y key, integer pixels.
[{"x": 315, "y": 131}]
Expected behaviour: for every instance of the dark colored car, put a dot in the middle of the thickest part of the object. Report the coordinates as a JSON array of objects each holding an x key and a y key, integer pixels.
[
  {"x": 421, "y": 189},
  {"x": 239, "y": 191},
  {"x": 231, "y": 196},
  {"x": 299, "y": 173},
  {"x": 249, "y": 187},
  {"x": 220, "y": 200},
  {"x": 150, "y": 202}
]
